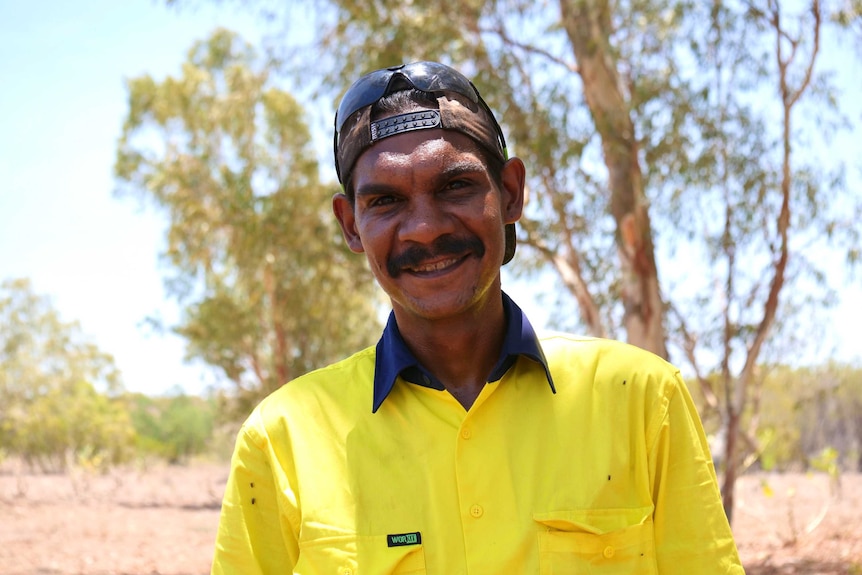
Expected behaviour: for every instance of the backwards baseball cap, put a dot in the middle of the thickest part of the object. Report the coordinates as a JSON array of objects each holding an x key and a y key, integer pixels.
[{"x": 460, "y": 108}]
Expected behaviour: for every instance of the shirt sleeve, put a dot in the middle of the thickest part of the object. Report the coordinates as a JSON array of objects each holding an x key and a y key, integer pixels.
[
  {"x": 692, "y": 534},
  {"x": 254, "y": 535}
]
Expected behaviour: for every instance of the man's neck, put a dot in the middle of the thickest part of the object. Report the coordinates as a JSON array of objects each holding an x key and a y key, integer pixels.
[{"x": 459, "y": 351}]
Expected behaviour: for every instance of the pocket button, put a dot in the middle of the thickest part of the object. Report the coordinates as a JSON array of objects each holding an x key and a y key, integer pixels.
[{"x": 608, "y": 552}]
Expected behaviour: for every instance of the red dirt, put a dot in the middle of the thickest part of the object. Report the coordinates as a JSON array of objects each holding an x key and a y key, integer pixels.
[{"x": 162, "y": 521}]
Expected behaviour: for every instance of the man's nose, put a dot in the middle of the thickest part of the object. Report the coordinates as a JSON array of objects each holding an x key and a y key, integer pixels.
[{"x": 425, "y": 221}]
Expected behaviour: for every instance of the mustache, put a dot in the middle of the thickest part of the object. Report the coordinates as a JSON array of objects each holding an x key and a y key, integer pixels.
[{"x": 447, "y": 245}]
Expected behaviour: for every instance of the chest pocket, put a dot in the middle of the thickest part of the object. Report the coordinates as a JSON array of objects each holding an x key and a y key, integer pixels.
[
  {"x": 359, "y": 555},
  {"x": 596, "y": 541}
]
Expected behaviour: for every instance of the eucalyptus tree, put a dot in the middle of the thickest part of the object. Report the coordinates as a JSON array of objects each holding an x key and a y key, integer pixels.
[
  {"x": 254, "y": 255},
  {"x": 762, "y": 199},
  {"x": 59, "y": 393}
]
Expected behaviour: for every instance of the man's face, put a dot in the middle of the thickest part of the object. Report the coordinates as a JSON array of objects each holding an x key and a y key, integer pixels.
[{"x": 430, "y": 219}]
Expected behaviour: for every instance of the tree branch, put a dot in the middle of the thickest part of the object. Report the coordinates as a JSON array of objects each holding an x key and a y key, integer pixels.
[
  {"x": 529, "y": 48},
  {"x": 689, "y": 346},
  {"x": 570, "y": 272}
]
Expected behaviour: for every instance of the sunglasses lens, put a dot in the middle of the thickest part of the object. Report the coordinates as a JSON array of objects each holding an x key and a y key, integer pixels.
[
  {"x": 425, "y": 76},
  {"x": 363, "y": 92}
]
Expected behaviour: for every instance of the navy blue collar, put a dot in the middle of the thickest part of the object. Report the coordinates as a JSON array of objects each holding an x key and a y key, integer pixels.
[{"x": 394, "y": 358}]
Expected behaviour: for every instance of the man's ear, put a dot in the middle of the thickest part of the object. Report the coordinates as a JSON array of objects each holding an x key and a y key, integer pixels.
[
  {"x": 513, "y": 178},
  {"x": 343, "y": 210}
]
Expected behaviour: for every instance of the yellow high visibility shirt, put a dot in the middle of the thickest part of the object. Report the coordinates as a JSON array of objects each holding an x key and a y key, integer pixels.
[{"x": 604, "y": 471}]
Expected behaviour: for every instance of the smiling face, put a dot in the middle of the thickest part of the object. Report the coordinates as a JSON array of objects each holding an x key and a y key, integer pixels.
[{"x": 430, "y": 218}]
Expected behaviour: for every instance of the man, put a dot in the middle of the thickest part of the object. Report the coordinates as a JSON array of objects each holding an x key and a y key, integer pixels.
[{"x": 463, "y": 443}]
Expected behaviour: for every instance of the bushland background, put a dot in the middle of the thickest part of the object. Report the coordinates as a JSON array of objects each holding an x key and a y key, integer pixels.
[
  {"x": 694, "y": 190},
  {"x": 162, "y": 519}
]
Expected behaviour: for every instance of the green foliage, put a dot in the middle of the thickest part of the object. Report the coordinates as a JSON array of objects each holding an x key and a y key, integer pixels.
[
  {"x": 809, "y": 418},
  {"x": 51, "y": 412},
  {"x": 814, "y": 418},
  {"x": 269, "y": 288},
  {"x": 176, "y": 427},
  {"x": 79, "y": 422},
  {"x": 827, "y": 461}
]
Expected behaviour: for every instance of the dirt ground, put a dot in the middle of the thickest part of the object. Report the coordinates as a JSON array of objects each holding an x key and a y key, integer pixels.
[{"x": 162, "y": 521}]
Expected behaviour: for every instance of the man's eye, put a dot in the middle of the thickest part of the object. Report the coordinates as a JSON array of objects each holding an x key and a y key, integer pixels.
[
  {"x": 460, "y": 188},
  {"x": 382, "y": 201},
  {"x": 457, "y": 184}
]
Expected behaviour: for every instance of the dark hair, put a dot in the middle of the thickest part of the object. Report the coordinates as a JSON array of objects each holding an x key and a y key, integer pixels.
[
  {"x": 408, "y": 100},
  {"x": 402, "y": 101}
]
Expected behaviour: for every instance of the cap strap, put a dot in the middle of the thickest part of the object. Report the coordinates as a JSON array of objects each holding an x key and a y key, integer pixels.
[{"x": 425, "y": 119}]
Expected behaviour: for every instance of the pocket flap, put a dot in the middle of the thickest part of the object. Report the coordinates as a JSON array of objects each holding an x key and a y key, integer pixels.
[{"x": 596, "y": 521}]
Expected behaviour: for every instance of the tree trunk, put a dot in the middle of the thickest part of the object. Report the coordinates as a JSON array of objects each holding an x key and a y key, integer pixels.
[
  {"x": 587, "y": 24},
  {"x": 731, "y": 465}
]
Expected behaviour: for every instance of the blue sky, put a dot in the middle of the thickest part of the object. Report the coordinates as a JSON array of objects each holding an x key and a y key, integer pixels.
[{"x": 62, "y": 101}]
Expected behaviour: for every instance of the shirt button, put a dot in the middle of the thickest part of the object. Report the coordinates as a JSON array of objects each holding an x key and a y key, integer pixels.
[
  {"x": 608, "y": 552},
  {"x": 347, "y": 571},
  {"x": 477, "y": 511},
  {"x": 466, "y": 433}
]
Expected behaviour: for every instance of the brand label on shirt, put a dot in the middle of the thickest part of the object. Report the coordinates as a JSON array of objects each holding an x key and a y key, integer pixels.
[{"x": 401, "y": 539}]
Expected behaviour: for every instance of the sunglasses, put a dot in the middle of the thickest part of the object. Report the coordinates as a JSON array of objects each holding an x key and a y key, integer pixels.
[{"x": 424, "y": 76}]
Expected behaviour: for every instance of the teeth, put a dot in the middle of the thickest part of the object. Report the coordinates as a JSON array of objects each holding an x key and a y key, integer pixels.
[{"x": 435, "y": 267}]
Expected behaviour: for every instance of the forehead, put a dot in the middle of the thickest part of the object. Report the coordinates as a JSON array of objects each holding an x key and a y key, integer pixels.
[{"x": 417, "y": 149}]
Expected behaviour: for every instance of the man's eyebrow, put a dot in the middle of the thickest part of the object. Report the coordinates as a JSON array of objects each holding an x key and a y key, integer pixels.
[
  {"x": 374, "y": 189},
  {"x": 462, "y": 167}
]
